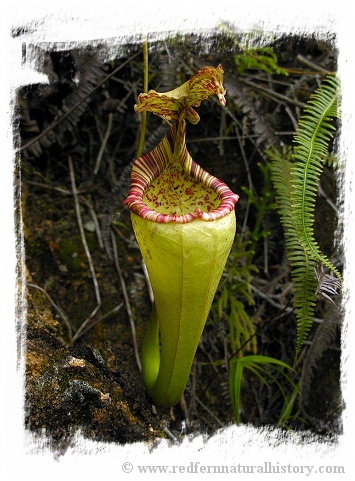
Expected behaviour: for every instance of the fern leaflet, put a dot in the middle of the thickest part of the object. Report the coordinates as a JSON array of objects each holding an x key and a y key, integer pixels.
[{"x": 296, "y": 185}]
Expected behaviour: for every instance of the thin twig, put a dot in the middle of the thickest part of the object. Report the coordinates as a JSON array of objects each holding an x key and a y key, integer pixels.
[
  {"x": 330, "y": 202},
  {"x": 222, "y": 128},
  {"x": 81, "y": 331},
  {"x": 147, "y": 280},
  {"x": 275, "y": 95},
  {"x": 292, "y": 117},
  {"x": 83, "y": 326},
  {"x": 170, "y": 434},
  {"x": 57, "y": 308},
  {"x": 313, "y": 65},
  {"x": 250, "y": 181},
  {"x": 97, "y": 227},
  {"x": 266, "y": 256},
  {"x": 85, "y": 245},
  {"x": 51, "y": 187},
  {"x": 267, "y": 298},
  {"x": 95, "y": 221},
  {"x": 103, "y": 143},
  {"x": 82, "y": 232},
  {"x": 220, "y": 138},
  {"x": 126, "y": 299},
  {"x": 185, "y": 410},
  {"x": 218, "y": 421},
  {"x": 145, "y": 89},
  {"x": 284, "y": 132}
]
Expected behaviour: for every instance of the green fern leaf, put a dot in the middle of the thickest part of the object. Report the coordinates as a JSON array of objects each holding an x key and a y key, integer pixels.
[
  {"x": 296, "y": 186},
  {"x": 302, "y": 266},
  {"x": 312, "y": 139}
]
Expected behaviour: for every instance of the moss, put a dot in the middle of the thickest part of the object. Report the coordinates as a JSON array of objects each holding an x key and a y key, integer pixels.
[
  {"x": 70, "y": 253},
  {"x": 76, "y": 387}
]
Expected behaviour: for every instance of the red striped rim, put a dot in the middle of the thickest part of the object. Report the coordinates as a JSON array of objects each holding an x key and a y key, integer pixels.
[{"x": 148, "y": 167}]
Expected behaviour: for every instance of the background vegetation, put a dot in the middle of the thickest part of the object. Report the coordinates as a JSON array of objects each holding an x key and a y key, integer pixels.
[{"x": 88, "y": 299}]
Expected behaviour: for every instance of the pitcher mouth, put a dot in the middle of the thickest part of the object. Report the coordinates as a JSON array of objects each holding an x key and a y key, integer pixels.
[{"x": 180, "y": 193}]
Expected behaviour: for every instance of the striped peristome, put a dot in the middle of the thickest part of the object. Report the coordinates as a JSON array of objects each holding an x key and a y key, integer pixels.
[{"x": 162, "y": 184}]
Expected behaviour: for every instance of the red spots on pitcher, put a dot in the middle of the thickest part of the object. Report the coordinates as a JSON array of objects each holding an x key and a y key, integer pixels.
[{"x": 169, "y": 188}]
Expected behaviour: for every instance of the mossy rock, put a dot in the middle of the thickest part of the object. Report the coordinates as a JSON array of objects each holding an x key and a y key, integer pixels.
[{"x": 67, "y": 388}]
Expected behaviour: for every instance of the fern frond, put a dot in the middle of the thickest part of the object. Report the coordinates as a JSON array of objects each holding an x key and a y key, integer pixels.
[
  {"x": 312, "y": 139},
  {"x": 302, "y": 265},
  {"x": 296, "y": 185}
]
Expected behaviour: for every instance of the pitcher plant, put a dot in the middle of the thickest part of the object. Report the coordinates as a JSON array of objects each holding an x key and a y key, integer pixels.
[{"x": 184, "y": 222}]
